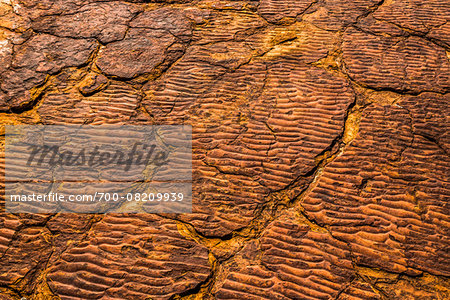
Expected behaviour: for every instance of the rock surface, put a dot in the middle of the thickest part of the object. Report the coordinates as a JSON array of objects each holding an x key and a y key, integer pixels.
[{"x": 320, "y": 146}]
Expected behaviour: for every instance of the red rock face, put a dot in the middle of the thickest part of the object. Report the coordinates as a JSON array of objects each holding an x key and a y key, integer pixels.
[
  {"x": 130, "y": 257},
  {"x": 320, "y": 147},
  {"x": 366, "y": 208},
  {"x": 404, "y": 64}
]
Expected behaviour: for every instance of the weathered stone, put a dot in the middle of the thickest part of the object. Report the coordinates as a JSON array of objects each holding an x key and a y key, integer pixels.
[
  {"x": 130, "y": 257},
  {"x": 107, "y": 22},
  {"x": 320, "y": 146},
  {"x": 384, "y": 196},
  {"x": 430, "y": 17},
  {"x": 156, "y": 39},
  {"x": 92, "y": 84},
  {"x": 403, "y": 64},
  {"x": 25, "y": 254},
  {"x": 34, "y": 60},
  {"x": 254, "y": 140},
  {"x": 282, "y": 11},
  {"x": 291, "y": 261},
  {"x": 336, "y": 14},
  {"x": 89, "y": 99}
]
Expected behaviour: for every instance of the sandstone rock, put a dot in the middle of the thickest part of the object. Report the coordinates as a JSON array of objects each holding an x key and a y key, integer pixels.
[
  {"x": 38, "y": 57},
  {"x": 106, "y": 21},
  {"x": 429, "y": 17},
  {"x": 135, "y": 256},
  {"x": 89, "y": 99},
  {"x": 383, "y": 196},
  {"x": 403, "y": 64},
  {"x": 156, "y": 39},
  {"x": 290, "y": 261},
  {"x": 92, "y": 84},
  {"x": 250, "y": 142},
  {"x": 282, "y": 11},
  {"x": 320, "y": 146},
  {"x": 337, "y": 15}
]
